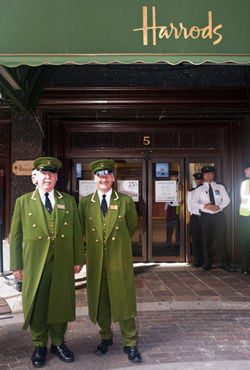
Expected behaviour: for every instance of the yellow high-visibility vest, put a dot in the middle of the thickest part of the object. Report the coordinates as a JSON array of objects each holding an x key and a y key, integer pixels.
[{"x": 245, "y": 198}]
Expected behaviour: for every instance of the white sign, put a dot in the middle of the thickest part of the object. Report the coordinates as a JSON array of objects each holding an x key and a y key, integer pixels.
[
  {"x": 86, "y": 187},
  {"x": 165, "y": 191},
  {"x": 129, "y": 187}
]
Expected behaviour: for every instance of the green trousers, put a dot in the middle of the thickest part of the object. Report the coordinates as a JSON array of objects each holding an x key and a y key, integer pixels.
[
  {"x": 40, "y": 329},
  {"x": 127, "y": 327}
]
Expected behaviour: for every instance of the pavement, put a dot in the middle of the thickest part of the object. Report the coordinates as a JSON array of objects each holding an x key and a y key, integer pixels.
[{"x": 187, "y": 319}]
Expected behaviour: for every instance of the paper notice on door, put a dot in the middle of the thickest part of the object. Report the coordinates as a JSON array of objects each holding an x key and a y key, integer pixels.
[
  {"x": 129, "y": 187},
  {"x": 165, "y": 191}
]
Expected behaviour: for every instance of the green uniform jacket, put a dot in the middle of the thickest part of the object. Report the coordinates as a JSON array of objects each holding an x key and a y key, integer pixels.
[
  {"x": 29, "y": 245},
  {"x": 120, "y": 224}
]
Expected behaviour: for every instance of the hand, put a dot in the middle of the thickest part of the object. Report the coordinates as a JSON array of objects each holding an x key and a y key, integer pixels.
[
  {"x": 212, "y": 207},
  {"x": 18, "y": 274},
  {"x": 77, "y": 269}
]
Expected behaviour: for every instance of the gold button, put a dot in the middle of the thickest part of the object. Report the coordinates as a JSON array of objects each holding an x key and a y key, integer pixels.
[
  {"x": 40, "y": 238},
  {"x": 97, "y": 240},
  {"x": 90, "y": 218},
  {"x": 113, "y": 238},
  {"x": 104, "y": 225},
  {"x": 65, "y": 223},
  {"x": 62, "y": 236},
  {"x": 117, "y": 227},
  {"x": 93, "y": 229},
  {"x": 51, "y": 225},
  {"x": 52, "y": 232},
  {"x": 67, "y": 212},
  {"x": 53, "y": 240},
  {"x": 48, "y": 237},
  {"x": 120, "y": 216},
  {"x": 30, "y": 214},
  {"x": 34, "y": 225}
]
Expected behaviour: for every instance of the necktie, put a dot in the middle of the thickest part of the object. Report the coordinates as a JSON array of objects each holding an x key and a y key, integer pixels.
[
  {"x": 48, "y": 205},
  {"x": 211, "y": 195},
  {"x": 104, "y": 206}
]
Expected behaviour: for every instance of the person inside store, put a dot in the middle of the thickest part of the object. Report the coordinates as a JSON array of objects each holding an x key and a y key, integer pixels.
[
  {"x": 211, "y": 199},
  {"x": 245, "y": 221},
  {"x": 172, "y": 210},
  {"x": 46, "y": 249},
  {"x": 109, "y": 220},
  {"x": 195, "y": 223}
]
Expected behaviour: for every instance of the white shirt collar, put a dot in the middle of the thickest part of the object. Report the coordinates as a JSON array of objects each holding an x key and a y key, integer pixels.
[
  {"x": 108, "y": 196},
  {"x": 51, "y": 196}
]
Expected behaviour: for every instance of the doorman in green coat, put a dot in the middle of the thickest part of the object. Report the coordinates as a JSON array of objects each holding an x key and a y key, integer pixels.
[
  {"x": 46, "y": 249},
  {"x": 109, "y": 219}
]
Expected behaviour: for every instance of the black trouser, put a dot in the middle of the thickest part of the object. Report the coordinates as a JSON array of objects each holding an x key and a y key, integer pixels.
[
  {"x": 195, "y": 230},
  {"x": 173, "y": 224},
  {"x": 245, "y": 242},
  {"x": 213, "y": 227}
]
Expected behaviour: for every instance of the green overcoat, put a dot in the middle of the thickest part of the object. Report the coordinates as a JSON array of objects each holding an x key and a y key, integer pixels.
[
  {"x": 120, "y": 224},
  {"x": 29, "y": 245}
]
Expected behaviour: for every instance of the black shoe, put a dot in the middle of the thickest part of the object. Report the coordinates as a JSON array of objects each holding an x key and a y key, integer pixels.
[
  {"x": 133, "y": 353},
  {"x": 103, "y": 347},
  {"x": 245, "y": 272},
  {"x": 38, "y": 357},
  {"x": 227, "y": 268},
  {"x": 63, "y": 352},
  {"x": 197, "y": 264},
  {"x": 206, "y": 268}
]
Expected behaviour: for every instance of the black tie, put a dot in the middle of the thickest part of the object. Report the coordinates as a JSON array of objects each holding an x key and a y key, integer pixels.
[
  {"x": 104, "y": 206},
  {"x": 48, "y": 203},
  {"x": 211, "y": 195}
]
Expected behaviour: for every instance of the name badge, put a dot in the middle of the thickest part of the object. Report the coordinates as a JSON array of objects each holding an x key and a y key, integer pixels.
[
  {"x": 113, "y": 206},
  {"x": 60, "y": 206},
  {"x": 217, "y": 192}
]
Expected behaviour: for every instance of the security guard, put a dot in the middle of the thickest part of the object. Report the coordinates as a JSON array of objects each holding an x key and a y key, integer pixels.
[
  {"x": 245, "y": 220},
  {"x": 46, "y": 249},
  {"x": 211, "y": 199},
  {"x": 109, "y": 220},
  {"x": 195, "y": 223}
]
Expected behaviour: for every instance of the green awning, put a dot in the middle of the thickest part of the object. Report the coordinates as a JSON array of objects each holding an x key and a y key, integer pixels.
[{"x": 36, "y": 32}]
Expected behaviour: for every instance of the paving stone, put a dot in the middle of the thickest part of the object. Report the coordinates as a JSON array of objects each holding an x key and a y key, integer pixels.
[{"x": 174, "y": 334}]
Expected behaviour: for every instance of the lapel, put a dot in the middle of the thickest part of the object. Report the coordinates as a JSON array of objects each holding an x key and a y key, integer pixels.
[
  {"x": 113, "y": 212},
  {"x": 60, "y": 209},
  {"x": 37, "y": 209},
  {"x": 95, "y": 213}
]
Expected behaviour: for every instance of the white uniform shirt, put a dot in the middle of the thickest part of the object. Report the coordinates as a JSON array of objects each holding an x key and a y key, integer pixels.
[
  {"x": 192, "y": 209},
  {"x": 201, "y": 197}
]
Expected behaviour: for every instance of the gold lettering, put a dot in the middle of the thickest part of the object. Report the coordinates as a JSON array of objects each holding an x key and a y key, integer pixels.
[
  {"x": 145, "y": 24},
  {"x": 177, "y": 30},
  {"x": 194, "y": 32},
  {"x": 208, "y": 30},
  {"x": 219, "y": 27},
  {"x": 154, "y": 24}
]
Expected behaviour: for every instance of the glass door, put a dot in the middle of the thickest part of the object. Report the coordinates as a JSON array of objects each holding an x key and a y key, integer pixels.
[{"x": 165, "y": 210}]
